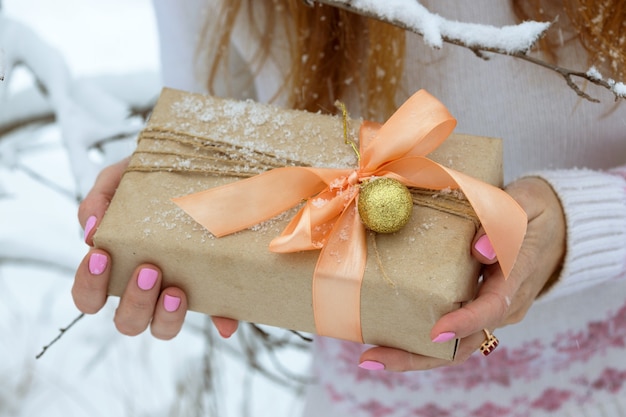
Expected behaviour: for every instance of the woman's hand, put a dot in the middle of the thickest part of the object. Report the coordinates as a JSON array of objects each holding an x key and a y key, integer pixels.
[
  {"x": 499, "y": 302},
  {"x": 144, "y": 303}
]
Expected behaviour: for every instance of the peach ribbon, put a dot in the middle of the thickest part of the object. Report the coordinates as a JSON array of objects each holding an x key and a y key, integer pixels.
[{"x": 329, "y": 220}]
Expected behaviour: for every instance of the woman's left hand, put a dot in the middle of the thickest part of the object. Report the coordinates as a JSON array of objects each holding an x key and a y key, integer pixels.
[{"x": 499, "y": 302}]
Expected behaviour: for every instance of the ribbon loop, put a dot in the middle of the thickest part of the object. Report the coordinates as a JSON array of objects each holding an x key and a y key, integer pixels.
[{"x": 417, "y": 128}]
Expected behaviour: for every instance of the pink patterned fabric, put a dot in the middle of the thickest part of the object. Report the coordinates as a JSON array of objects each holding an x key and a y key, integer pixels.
[{"x": 541, "y": 376}]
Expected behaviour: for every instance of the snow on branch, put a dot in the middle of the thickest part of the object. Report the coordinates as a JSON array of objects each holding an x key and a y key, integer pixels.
[
  {"x": 411, "y": 15},
  {"x": 513, "y": 40},
  {"x": 85, "y": 113}
]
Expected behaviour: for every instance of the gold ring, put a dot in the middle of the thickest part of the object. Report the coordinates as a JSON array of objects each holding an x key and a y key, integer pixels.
[{"x": 490, "y": 344}]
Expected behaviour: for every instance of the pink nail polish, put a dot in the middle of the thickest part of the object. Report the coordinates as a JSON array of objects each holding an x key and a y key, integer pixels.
[
  {"x": 171, "y": 303},
  {"x": 91, "y": 222},
  {"x": 97, "y": 263},
  {"x": 444, "y": 337},
  {"x": 372, "y": 366},
  {"x": 484, "y": 247},
  {"x": 147, "y": 278}
]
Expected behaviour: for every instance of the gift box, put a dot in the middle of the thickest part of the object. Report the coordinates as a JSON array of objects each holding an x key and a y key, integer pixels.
[{"x": 193, "y": 143}]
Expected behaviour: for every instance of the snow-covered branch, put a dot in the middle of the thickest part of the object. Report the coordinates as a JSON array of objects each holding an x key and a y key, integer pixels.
[
  {"x": 436, "y": 30},
  {"x": 512, "y": 40},
  {"x": 30, "y": 105},
  {"x": 86, "y": 113}
]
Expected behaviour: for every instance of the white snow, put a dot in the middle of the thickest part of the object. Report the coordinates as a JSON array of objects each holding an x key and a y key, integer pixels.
[
  {"x": 594, "y": 74},
  {"x": 619, "y": 89},
  {"x": 508, "y": 39}
]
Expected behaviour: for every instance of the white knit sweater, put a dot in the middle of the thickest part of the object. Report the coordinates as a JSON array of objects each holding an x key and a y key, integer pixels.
[{"x": 567, "y": 356}]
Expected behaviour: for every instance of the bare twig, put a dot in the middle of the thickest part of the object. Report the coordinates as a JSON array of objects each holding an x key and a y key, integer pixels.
[
  {"x": 61, "y": 333},
  {"x": 302, "y": 336},
  {"x": 49, "y": 117},
  {"x": 278, "y": 365},
  {"x": 18, "y": 124},
  {"x": 569, "y": 75},
  {"x": 252, "y": 352},
  {"x": 1, "y": 64},
  {"x": 267, "y": 336},
  {"x": 617, "y": 88}
]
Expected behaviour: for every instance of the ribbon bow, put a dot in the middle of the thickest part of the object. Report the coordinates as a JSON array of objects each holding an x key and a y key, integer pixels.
[{"x": 329, "y": 220}]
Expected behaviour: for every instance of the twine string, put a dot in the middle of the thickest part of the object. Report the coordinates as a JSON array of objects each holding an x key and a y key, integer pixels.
[{"x": 161, "y": 150}]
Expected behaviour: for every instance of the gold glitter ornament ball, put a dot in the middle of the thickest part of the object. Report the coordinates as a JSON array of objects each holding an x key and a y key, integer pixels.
[{"x": 385, "y": 205}]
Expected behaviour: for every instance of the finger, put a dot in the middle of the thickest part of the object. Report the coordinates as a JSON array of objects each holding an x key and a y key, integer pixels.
[
  {"x": 488, "y": 310},
  {"x": 482, "y": 248},
  {"x": 169, "y": 314},
  {"x": 137, "y": 304},
  {"x": 396, "y": 360},
  {"x": 92, "y": 208},
  {"x": 91, "y": 281},
  {"x": 225, "y": 326}
]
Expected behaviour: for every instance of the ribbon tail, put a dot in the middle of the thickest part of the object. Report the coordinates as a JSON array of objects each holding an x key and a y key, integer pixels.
[
  {"x": 337, "y": 279},
  {"x": 242, "y": 204},
  {"x": 502, "y": 218},
  {"x": 504, "y": 221}
]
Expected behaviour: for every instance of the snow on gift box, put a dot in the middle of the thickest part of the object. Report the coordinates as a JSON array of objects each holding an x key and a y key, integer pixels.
[{"x": 279, "y": 187}]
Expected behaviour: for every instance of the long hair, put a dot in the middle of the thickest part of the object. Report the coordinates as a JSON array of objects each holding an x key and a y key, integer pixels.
[
  {"x": 335, "y": 54},
  {"x": 598, "y": 25}
]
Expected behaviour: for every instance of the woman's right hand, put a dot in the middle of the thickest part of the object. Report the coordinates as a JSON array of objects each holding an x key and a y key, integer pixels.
[{"x": 144, "y": 302}]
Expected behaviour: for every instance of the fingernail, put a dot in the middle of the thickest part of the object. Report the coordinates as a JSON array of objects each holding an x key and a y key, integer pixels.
[
  {"x": 147, "y": 278},
  {"x": 97, "y": 263},
  {"x": 372, "y": 366},
  {"x": 171, "y": 303},
  {"x": 444, "y": 337},
  {"x": 91, "y": 222},
  {"x": 484, "y": 247}
]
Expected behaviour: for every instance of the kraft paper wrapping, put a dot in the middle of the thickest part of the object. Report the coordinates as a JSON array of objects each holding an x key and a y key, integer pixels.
[{"x": 194, "y": 142}]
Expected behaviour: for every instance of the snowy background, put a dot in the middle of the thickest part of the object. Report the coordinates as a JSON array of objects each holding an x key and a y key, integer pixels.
[{"x": 83, "y": 52}]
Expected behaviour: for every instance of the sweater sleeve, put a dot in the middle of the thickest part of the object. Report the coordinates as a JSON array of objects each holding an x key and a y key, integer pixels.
[{"x": 594, "y": 204}]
